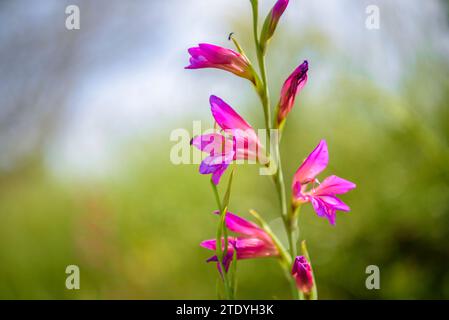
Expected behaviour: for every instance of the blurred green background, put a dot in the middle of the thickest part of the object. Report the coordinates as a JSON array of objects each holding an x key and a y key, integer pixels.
[{"x": 85, "y": 121}]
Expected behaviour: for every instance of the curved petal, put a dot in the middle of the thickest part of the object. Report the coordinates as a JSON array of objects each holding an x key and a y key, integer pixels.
[
  {"x": 247, "y": 145},
  {"x": 211, "y": 56},
  {"x": 334, "y": 185},
  {"x": 244, "y": 227},
  {"x": 271, "y": 21},
  {"x": 249, "y": 248},
  {"x": 323, "y": 210},
  {"x": 290, "y": 89},
  {"x": 226, "y": 117},
  {"x": 313, "y": 165},
  {"x": 296, "y": 190},
  {"x": 218, "y": 55}
]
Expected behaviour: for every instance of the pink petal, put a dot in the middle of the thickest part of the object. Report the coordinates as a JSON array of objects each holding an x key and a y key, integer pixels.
[
  {"x": 249, "y": 248},
  {"x": 313, "y": 165},
  {"x": 279, "y": 9},
  {"x": 247, "y": 145},
  {"x": 211, "y": 56},
  {"x": 226, "y": 117},
  {"x": 218, "y": 55},
  {"x": 216, "y": 176},
  {"x": 334, "y": 185},
  {"x": 297, "y": 190},
  {"x": 211, "y": 244},
  {"x": 245, "y": 227},
  {"x": 334, "y": 203}
]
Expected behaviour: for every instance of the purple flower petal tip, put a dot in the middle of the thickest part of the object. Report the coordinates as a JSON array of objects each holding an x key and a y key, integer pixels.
[
  {"x": 302, "y": 272},
  {"x": 291, "y": 88},
  {"x": 210, "y": 56}
]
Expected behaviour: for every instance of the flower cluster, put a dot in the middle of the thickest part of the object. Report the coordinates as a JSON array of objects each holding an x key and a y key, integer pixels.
[
  {"x": 236, "y": 140},
  {"x": 251, "y": 241}
]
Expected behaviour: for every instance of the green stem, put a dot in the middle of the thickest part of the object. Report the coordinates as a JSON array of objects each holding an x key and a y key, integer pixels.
[
  {"x": 264, "y": 95},
  {"x": 263, "y": 92}
]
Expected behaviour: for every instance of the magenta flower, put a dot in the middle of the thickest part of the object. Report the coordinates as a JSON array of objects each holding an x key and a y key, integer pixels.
[
  {"x": 302, "y": 272},
  {"x": 292, "y": 86},
  {"x": 272, "y": 21},
  {"x": 211, "y": 56},
  {"x": 237, "y": 141},
  {"x": 251, "y": 241},
  {"x": 323, "y": 197}
]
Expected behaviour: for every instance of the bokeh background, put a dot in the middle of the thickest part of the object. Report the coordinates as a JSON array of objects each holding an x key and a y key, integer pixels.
[{"x": 85, "y": 121}]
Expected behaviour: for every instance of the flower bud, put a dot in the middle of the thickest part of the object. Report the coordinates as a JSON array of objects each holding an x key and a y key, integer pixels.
[{"x": 271, "y": 22}]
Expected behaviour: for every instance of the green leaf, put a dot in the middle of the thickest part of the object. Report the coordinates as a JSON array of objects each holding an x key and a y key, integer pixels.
[{"x": 225, "y": 201}]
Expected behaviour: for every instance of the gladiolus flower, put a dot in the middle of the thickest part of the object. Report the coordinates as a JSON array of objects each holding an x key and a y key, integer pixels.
[
  {"x": 292, "y": 86},
  {"x": 238, "y": 141},
  {"x": 271, "y": 22},
  {"x": 323, "y": 197},
  {"x": 211, "y": 56},
  {"x": 302, "y": 272},
  {"x": 251, "y": 241}
]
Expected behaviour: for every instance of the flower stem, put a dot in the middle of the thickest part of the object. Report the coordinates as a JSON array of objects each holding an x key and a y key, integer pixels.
[
  {"x": 221, "y": 232},
  {"x": 264, "y": 95}
]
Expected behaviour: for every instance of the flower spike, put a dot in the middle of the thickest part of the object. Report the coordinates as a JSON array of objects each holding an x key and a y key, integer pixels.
[{"x": 271, "y": 22}]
